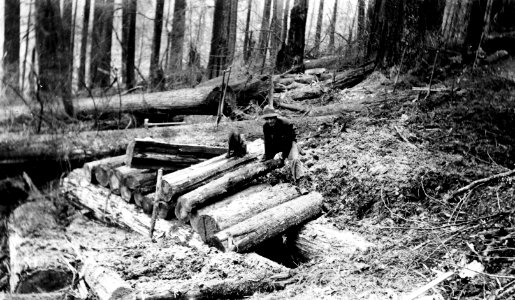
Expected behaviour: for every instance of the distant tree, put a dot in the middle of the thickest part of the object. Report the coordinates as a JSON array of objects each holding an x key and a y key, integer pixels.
[
  {"x": 11, "y": 45},
  {"x": 246, "y": 40},
  {"x": 220, "y": 55},
  {"x": 361, "y": 24},
  {"x": 156, "y": 73},
  {"x": 177, "y": 36},
  {"x": 84, "y": 45},
  {"x": 276, "y": 24},
  {"x": 265, "y": 27},
  {"x": 129, "y": 11},
  {"x": 292, "y": 52},
  {"x": 284, "y": 32},
  {"x": 100, "y": 70},
  {"x": 233, "y": 22},
  {"x": 332, "y": 27},
  {"x": 318, "y": 32}
]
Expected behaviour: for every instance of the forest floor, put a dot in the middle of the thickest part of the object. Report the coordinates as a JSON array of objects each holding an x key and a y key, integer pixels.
[{"x": 387, "y": 172}]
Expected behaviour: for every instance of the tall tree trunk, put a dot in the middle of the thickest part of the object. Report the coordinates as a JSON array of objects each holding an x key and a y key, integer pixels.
[
  {"x": 275, "y": 39},
  {"x": 100, "y": 71},
  {"x": 361, "y": 25},
  {"x": 284, "y": 31},
  {"x": 177, "y": 36},
  {"x": 332, "y": 27},
  {"x": 246, "y": 41},
  {"x": 233, "y": 19},
  {"x": 475, "y": 24},
  {"x": 83, "y": 45},
  {"x": 11, "y": 46},
  {"x": 156, "y": 73},
  {"x": 66, "y": 48},
  {"x": 265, "y": 27},
  {"x": 129, "y": 41},
  {"x": 293, "y": 53},
  {"x": 54, "y": 56},
  {"x": 318, "y": 32}
]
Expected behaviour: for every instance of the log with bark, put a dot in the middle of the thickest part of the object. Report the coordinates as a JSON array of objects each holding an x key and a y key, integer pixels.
[
  {"x": 229, "y": 183},
  {"x": 238, "y": 207},
  {"x": 41, "y": 257},
  {"x": 154, "y": 154},
  {"x": 323, "y": 62},
  {"x": 131, "y": 178},
  {"x": 351, "y": 77},
  {"x": 105, "y": 283},
  {"x": 269, "y": 223},
  {"x": 188, "y": 179},
  {"x": 90, "y": 168}
]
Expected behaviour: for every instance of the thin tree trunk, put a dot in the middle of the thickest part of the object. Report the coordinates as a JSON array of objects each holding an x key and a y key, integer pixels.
[
  {"x": 246, "y": 41},
  {"x": 265, "y": 27},
  {"x": 361, "y": 25},
  {"x": 177, "y": 36},
  {"x": 318, "y": 32},
  {"x": 332, "y": 27},
  {"x": 83, "y": 45},
  {"x": 284, "y": 32},
  {"x": 11, "y": 46},
  {"x": 233, "y": 19},
  {"x": 156, "y": 74},
  {"x": 129, "y": 41},
  {"x": 275, "y": 39},
  {"x": 293, "y": 53},
  {"x": 100, "y": 71}
]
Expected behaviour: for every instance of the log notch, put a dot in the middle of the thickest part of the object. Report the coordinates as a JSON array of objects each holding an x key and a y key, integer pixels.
[
  {"x": 267, "y": 224},
  {"x": 185, "y": 180},
  {"x": 105, "y": 283},
  {"x": 241, "y": 206},
  {"x": 90, "y": 168},
  {"x": 315, "y": 239},
  {"x": 153, "y": 154},
  {"x": 40, "y": 256},
  {"x": 228, "y": 183}
]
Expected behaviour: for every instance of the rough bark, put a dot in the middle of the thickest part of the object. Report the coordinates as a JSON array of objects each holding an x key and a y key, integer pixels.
[
  {"x": 236, "y": 208},
  {"x": 276, "y": 24},
  {"x": 177, "y": 36},
  {"x": 90, "y": 168},
  {"x": 269, "y": 223},
  {"x": 351, "y": 77},
  {"x": 153, "y": 154},
  {"x": 84, "y": 45},
  {"x": 11, "y": 46},
  {"x": 233, "y": 18},
  {"x": 129, "y": 11},
  {"x": 246, "y": 41},
  {"x": 101, "y": 43},
  {"x": 284, "y": 31},
  {"x": 156, "y": 73},
  {"x": 332, "y": 28},
  {"x": 318, "y": 32},
  {"x": 228, "y": 183},
  {"x": 39, "y": 252},
  {"x": 186, "y": 180},
  {"x": 264, "y": 32},
  {"x": 292, "y": 53},
  {"x": 219, "y": 56}
]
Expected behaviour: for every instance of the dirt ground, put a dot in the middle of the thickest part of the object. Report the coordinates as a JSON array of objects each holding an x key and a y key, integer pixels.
[{"x": 387, "y": 172}]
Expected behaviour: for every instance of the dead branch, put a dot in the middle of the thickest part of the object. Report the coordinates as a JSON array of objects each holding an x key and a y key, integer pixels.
[{"x": 479, "y": 182}]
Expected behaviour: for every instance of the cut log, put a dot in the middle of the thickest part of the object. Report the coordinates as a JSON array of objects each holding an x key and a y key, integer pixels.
[
  {"x": 106, "y": 284},
  {"x": 320, "y": 240},
  {"x": 351, "y": 77},
  {"x": 39, "y": 252},
  {"x": 241, "y": 206},
  {"x": 323, "y": 62},
  {"x": 126, "y": 194},
  {"x": 37, "y": 296},
  {"x": 90, "y": 168},
  {"x": 269, "y": 223},
  {"x": 185, "y": 180},
  {"x": 228, "y": 183},
  {"x": 111, "y": 208},
  {"x": 131, "y": 178},
  {"x": 153, "y": 154}
]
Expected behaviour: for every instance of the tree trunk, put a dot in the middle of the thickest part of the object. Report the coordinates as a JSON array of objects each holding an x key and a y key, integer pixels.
[
  {"x": 330, "y": 62},
  {"x": 292, "y": 54},
  {"x": 186, "y": 180},
  {"x": 152, "y": 154},
  {"x": 230, "y": 182},
  {"x": 361, "y": 25},
  {"x": 84, "y": 45},
  {"x": 156, "y": 72},
  {"x": 233, "y": 19},
  {"x": 332, "y": 28},
  {"x": 264, "y": 33},
  {"x": 267, "y": 224},
  {"x": 106, "y": 284},
  {"x": 275, "y": 39},
  {"x": 221, "y": 39},
  {"x": 284, "y": 31},
  {"x": 11, "y": 46},
  {"x": 39, "y": 252},
  {"x": 177, "y": 36},
  {"x": 129, "y": 42},
  {"x": 239, "y": 207},
  {"x": 91, "y": 168},
  {"x": 318, "y": 32},
  {"x": 101, "y": 40},
  {"x": 246, "y": 41}
]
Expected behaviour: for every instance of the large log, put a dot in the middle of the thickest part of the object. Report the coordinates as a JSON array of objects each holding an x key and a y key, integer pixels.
[
  {"x": 185, "y": 180},
  {"x": 130, "y": 178},
  {"x": 90, "y": 168},
  {"x": 351, "y": 77},
  {"x": 105, "y": 283},
  {"x": 39, "y": 251},
  {"x": 238, "y": 207},
  {"x": 153, "y": 154},
  {"x": 228, "y": 183},
  {"x": 323, "y": 62},
  {"x": 269, "y": 223}
]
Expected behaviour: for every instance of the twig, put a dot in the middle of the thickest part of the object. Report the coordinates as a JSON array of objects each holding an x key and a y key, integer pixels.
[
  {"x": 157, "y": 196},
  {"x": 432, "y": 74},
  {"x": 429, "y": 286},
  {"x": 400, "y": 68},
  {"x": 479, "y": 182},
  {"x": 403, "y": 138}
]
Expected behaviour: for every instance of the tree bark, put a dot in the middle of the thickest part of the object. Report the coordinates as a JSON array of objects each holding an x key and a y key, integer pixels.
[
  {"x": 177, "y": 36},
  {"x": 84, "y": 45},
  {"x": 233, "y": 19},
  {"x": 230, "y": 182},
  {"x": 153, "y": 154},
  {"x": 101, "y": 40},
  {"x": 106, "y": 284},
  {"x": 156, "y": 73},
  {"x": 361, "y": 25},
  {"x": 269, "y": 223},
  {"x": 246, "y": 41},
  {"x": 332, "y": 28},
  {"x": 186, "y": 180},
  {"x": 284, "y": 31},
  {"x": 11, "y": 46},
  {"x": 129, "y": 42},
  {"x": 276, "y": 24},
  {"x": 239, "y": 207},
  {"x": 90, "y": 168},
  {"x": 351, "y": 77},
  {"x": 292, "y": 54},
  {"x": 220, "y": 54},
  {"x": 264, "y": 32},
  {"x": 318, "y": 32},
  {"x": 39, "y": 251}
]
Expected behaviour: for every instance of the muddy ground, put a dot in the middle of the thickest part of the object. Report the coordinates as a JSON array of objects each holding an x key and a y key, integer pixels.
[{"x": 387, "y": 172}]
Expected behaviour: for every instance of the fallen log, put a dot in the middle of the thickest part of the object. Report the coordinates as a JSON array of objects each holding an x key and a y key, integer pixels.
[
  {"x": 267, "y": 224},
  {"x": 351, "y": 77},
  {"x": 105, "y": 283},
  {"x": 326, "y": 110},
  {"x": 90, "y": 168},
  {"x": 314, "y": 240},
  {"x": 185, "y": 180},
  {"x": 306, "y": 92},
  {"x": 39, "y": 252},
  {"x": 241, "y": 206},
  {"x": 131, "y": 178},
  {"x": 323, "y": 62},
  {"x": 37, "y": 296},
  {"x": 153, "y": 154},
  {"x": 228, "y": 183}
]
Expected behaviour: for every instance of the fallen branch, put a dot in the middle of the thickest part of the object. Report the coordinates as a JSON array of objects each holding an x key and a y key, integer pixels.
[
  {"x": 429, "y": 286},
  {"x": 479, "y": 182}
]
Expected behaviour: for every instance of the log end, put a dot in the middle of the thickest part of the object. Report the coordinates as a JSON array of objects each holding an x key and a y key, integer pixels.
[
  {"x": 42, "y": 281},
  {"x": 206, "y": 227},
  {"x": 101, "y": 176}
]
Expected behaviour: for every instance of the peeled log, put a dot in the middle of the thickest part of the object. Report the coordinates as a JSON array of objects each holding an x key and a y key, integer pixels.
[
  {"x": 39, "y": 251},
  {"x": 269, "y": 223},
  {"x": 90, "y": 168},
  {"x": 185, "y": 180},
  {"x": 153, "y": 154},
  {"x": 105, "y": 283},
  {"x": 318, "y": 240},
  {"x": 241, "y": 206},
  {"x": 230, "y": 182}
]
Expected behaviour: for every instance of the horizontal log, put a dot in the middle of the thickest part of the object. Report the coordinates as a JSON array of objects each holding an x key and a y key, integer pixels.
[
  {"x": 323, "y": 62},
  {"x": 105, "y": 283},
  {"x": 238, "y": 207},
  {"x": 306, "y": 92},
  {"x": 40, "y": 254},
  {"x": 90, "y": 167},
  {"x": 350, "y": 77},
  {"x": 228, "y": 183},
  {"x": 269, "y": 223},
  {"x": 36, "y": 296}
]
